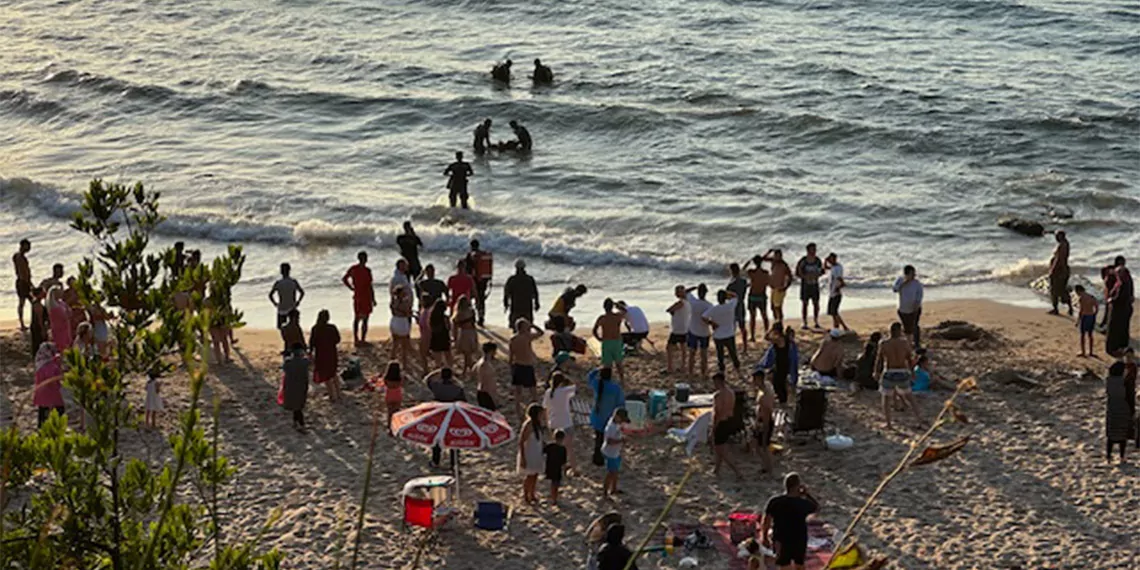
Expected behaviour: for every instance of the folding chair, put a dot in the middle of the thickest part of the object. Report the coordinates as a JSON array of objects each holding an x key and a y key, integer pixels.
[{"x": 492, "y": 515}]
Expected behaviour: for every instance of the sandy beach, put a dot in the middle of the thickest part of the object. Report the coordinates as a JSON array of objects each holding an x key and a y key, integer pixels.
[{"x": 1031, "y": 490}]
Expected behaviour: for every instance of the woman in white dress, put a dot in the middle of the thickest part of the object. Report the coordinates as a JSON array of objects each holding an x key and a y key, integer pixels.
[
  {"x": 556, "y": 400},
  {"x": 531, "y": 462}
]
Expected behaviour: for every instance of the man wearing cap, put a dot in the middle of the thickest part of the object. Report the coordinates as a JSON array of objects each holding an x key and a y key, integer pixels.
[
  {"x": 520, "y": 294},
  {"x": 835, "y": 285},
  {"x": 828, "y": 359}
]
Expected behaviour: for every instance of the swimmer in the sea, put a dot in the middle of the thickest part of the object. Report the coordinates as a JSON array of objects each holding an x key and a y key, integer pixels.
[
  {"x": 458, "y": 172},
  {"x": 525, "y": 142},
  {"x": 543, "y": 75},
  {"x": 483, "y": 137},
  {"x": 502, "y": 72}
]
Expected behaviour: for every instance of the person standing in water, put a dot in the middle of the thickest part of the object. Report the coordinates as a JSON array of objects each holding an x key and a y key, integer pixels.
[
  {"x": 501, "y": 72},
  {"x": 358, "y": 279},
  {"x": 543, "y": 75},
  {"x": 23, "y": 279},
  {"x": 458, "y": 172},
  {"x": 410, "y": 244},
  {"x": 1059, "y": 275},
  {"x": 525, "y": 142},
  {"x": 808, "y": 270},
  {"x": 482, "y": 136}
]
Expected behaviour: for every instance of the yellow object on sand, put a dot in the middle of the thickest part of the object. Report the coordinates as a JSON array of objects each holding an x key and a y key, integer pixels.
[{"x": 847, "y": 558}]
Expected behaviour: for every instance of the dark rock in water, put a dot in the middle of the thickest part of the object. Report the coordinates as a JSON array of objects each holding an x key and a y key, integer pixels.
[
  {"x": 958, "y": 330},
  {"x": 1022, "y": 226}
]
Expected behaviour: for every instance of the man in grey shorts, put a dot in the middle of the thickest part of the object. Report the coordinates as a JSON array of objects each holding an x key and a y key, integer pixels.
[{"x": 893, "y": 367}]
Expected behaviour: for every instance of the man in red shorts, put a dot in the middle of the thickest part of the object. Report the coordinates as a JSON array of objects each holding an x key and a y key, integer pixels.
[{"x": 358, "y": 278}]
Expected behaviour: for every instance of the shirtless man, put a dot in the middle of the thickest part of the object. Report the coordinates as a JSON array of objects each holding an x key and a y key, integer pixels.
[
  {"x": 483, "y": 136},
  {"x": 484, "y": 373},
  {"x": 523, "y": 360},
  {"x": 607, "y": 329},
  {"x": 525, "y": 142},
  {"x": 779, "y": 281},
  {"x": 23, "y": 278},
  {"x": 1059, "y": 275},
  {"x": 759, "y": 279},
  {"x": 765, "y": 424},
  {"x": 724, "y": 408},
  {"x": 808, "y": 270},
  {"x": 893, "y": 367},
  {"x": 56, "y": 279},
  {"x": 828, "y": 360},
  {"x": 458, "y": 172}
]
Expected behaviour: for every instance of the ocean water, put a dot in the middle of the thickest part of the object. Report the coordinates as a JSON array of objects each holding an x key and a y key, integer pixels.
[{"x": 679, "y": 135}]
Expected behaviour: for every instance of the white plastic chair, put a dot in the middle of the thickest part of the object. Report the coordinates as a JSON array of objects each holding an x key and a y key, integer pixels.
[{"x": 697, "y": 432}]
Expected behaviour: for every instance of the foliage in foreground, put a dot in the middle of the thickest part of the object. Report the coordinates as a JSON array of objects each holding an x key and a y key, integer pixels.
[{"x": 72, "y": 500}]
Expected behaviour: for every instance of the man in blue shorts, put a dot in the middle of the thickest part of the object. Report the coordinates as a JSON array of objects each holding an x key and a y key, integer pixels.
[{"x": 611, "y": 450}]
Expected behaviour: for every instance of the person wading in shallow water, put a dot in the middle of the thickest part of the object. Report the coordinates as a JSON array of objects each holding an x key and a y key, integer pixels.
[{"x": 458, "y": 172}]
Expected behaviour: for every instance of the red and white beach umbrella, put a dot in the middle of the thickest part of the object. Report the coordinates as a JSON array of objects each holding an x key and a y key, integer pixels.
[{"x": 452, "y": 425}]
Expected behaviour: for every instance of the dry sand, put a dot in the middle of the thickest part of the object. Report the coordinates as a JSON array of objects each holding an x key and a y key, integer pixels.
[{"x": 1032, "y": 489}]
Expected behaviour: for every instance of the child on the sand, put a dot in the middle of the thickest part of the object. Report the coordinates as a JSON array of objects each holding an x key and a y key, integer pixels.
[
  {"x": 1086, "y": 322},
  {"x": 555, "y": 463},
  {"x": 611, "y": 450},
  {"x": 530, "y": 451},
  {"x": 393, "y": 390},
  {"x": 154, "y": 405}
]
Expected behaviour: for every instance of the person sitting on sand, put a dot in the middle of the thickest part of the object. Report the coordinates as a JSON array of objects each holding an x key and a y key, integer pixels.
[
  {"x": 893, "y": 370},
  {"x": 358, "y": 279},
  {"x": 520, "y": 354},
  {"x": 614, "y": 554},
  {"x": 1086, "y": 322},
  {"x": 1118, "y": 423},
  {"x": 865, "y": 366},
  {"x": 607, "y": 329},
  {"x": 324, "y": 338},
  {"x": 765, "y": 418},
  {"x": 786, "y": 516},
  {"x": 611, "y": 450},
  {"x": 501, "y": 72},
  {"x": 530, "y": 460},
  {"x": 458, "y": 172},
  {"x": 556, "y": 401},
  {"x": 393, "y": 390},
  {"x": 484, "y": 371},
  {"x": 724, "y": 412},
  {"x": 523, "y": 136},
  {"x": 828, "y": 359},
  {"x": 482, "y": 136},
  {"x": 608, "y": 396},
  {"x": 295, "y": 385},
  {"x": 543, "y": 75}
]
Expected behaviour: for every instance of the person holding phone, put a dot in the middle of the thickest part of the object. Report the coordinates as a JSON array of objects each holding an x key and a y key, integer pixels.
[{"x": 786, "y": 516}]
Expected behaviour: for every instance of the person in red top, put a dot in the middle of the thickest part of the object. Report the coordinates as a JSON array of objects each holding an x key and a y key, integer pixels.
[
  {"x": 358, "y": 278},
  {"x": 479, "y": 264},
  {"x": 461, "y": 284}
]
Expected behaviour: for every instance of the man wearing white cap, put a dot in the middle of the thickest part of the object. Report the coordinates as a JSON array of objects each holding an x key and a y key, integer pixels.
[
  {"x": 520, "y": 294},
  {"x": 828, "y": 360}
]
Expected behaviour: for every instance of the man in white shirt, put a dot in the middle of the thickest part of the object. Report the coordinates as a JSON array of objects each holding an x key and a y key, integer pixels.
[
  {"x": 678, "y": 329},
  {"x": 288, "y": 294},
  {"x": 698, "y": 329},
  {"x": 611, "y": 450},
  {"x": 835, "y": 285},
  {"x": 636, "y": 324},
  {"x": 722, "y": 318}
]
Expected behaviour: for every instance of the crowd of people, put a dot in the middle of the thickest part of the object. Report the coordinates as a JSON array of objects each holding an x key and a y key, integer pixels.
[{"x": 449, "y": 316}]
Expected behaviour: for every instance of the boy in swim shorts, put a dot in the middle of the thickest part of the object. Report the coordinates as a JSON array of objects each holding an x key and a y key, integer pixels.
[
  {"x": 893, "y": 366},
  {"x": 607, "y": 329},
  {"x": 1086, "y": 322}
]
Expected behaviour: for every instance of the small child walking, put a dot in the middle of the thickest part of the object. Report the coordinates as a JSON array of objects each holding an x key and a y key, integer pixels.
[
  {"x": 1086, "y": 322},
  {"x": 154, "y": 404},
  {"x": 555, "y": 452}
]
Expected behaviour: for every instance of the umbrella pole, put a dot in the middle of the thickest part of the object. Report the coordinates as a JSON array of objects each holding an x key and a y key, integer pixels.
[{"x": 456, "y": 469}]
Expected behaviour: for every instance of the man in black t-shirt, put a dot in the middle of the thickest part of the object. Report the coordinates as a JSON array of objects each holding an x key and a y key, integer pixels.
[
  {"x": 433, "y": 288},
  {"x": 457, "y": 174},
  {"x": 520, "y": 294},
  {"x": 786, "y": 515}
]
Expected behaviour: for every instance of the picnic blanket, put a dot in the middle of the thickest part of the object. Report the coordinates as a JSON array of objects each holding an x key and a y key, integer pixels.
[{"x": 821, "y": 535}]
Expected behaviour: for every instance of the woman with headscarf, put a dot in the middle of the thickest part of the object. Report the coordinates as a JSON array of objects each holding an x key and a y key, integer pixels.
[
  {"x": 1118, "y": 414},
  {"x": 295, "y": 385},
  {"x": 323, "y": 339},
  {"x": 40, "y": 325},
  {"x": 48, "y": 395},
  {"x": 1120, "y": 300},
  {"x": 59, "y": 314}
]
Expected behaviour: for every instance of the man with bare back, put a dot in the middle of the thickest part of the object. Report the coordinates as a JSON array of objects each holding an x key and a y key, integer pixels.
[
  {"x": 759, "y": 279},
  {"x": 781, "y": 278},
  {"x": 607, "y": 329},
  {"x": 23, "y": 278},
  {"x": 520, "y": 353},
  {"x": 893, "y": 368},
  {"x": 724, "y": 408}
]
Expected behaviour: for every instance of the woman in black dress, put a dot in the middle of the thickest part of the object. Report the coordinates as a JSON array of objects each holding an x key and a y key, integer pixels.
[{"x": 440, "y": 342}]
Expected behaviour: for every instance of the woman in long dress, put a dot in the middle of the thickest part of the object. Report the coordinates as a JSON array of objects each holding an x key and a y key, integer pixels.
[
  {"x": 440, "y": 342},
  {"x": 59, "y": 313},
  {"x": 530, "y": 460},
  {"x": 1118, "y": 414},
  {"x": 295, "y": 386},
  {"x": 1120, "y": 301},
  {"x": 323, "y": 339}
]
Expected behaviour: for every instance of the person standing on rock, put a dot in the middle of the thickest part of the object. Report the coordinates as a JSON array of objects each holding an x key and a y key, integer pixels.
[
  {"x": 909, "y": 289},
  {"x": 1059, "y": 275}
]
